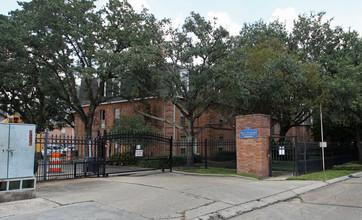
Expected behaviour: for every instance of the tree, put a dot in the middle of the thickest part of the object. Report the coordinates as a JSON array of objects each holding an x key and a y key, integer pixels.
[
  {"x": 72, "y": 42},
  {"x": 193, "y": 78},
  {"x": 24, "y": 88},
  {"x": 338, "y": 54},
  {"x": 133, "y": 124},
  {"x": 279, "y": 84},
  {"x": 344, "y": 101}
]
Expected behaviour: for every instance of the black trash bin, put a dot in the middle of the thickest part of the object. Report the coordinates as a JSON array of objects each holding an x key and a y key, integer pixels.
[{"x": 92, "y": 164}]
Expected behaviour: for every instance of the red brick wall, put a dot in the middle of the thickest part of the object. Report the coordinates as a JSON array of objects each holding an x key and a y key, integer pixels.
[
  {"x": 252, "y": 153},
  {"x": 160, "y": 109}
]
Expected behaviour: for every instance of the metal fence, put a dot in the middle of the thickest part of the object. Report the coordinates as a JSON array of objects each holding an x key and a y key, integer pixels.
[
  {"x": 309, "y": 156},
  {"x": 287, "y": 154},
  {"x": 61, "y": 157},
  {"x": 207, "y": 153}
]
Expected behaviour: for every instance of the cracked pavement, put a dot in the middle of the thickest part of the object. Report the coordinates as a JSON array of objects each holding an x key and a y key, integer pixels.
[{"x": 173, "y": 196}]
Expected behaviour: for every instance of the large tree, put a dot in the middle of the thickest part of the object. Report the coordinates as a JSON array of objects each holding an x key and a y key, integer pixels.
[
  {"x": 193, "y": 77},
  {"x": 24, "y": 88},
  {"x": 279, "y": 84},
  {"x": 73, "y": 42},
  {"x": 338, "y": 54}
]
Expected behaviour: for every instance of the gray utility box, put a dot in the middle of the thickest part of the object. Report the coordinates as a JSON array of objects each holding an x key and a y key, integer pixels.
[{"x": 17, "y": 145}]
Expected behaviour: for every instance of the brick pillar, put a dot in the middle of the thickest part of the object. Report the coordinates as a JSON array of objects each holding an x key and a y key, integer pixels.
[{"x": 252, "y": 144}]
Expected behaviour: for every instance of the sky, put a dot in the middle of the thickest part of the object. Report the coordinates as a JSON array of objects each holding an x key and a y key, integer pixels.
[{"x": 232, "y": 14}]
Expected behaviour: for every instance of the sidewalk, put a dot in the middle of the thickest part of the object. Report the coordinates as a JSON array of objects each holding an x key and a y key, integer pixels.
[{"x": 156, "y": 196}]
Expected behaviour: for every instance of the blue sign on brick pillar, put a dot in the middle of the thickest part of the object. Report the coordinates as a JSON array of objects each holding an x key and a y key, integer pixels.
[{"x": 249, "y": 133}]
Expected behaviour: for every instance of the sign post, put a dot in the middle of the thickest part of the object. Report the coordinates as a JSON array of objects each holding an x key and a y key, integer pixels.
[{"x": 322, "y": 144}]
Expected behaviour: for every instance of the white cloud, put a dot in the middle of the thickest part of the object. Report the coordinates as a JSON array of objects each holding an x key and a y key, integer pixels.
[
  {"x": 225, "y": 21},
  {"x": 286, "y": 15}
]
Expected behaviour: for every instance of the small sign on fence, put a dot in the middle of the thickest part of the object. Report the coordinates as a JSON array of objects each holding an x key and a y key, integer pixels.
[
  {"x": 139, "y": 153},
  {"x": 281, "y": 150}
]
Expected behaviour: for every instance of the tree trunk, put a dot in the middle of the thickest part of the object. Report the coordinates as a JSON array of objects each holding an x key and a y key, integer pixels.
[
  {"x": 358, "y": 143},
  {"x": 190, "y": 144},
  {"x": 190, "y": 151}
]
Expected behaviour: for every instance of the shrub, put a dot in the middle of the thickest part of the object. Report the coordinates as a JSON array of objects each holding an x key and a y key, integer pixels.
[
  {"x": 163, "y": 162},
  {"x": 225, "y": 155},
  {"x": 126, "y": 158},
  {"x": 348, "y": 166}
]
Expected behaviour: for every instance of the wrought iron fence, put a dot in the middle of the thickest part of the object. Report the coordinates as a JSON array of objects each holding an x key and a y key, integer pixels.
[
  {"x": 65, "y": 157},
  {"x": 61, "y": 157},
  {"x": 207, "y": 153},
  {"x": 287, "y": 154},
  {"x": 309, "y": 156}
]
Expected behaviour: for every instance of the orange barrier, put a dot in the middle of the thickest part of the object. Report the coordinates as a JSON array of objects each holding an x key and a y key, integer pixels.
[
  {"x": 54, "y": 162},
  {"x": 69, "y": 156}
]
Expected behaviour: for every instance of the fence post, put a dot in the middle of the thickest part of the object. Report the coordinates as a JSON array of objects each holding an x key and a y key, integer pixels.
[
  {"x": 305, "y": 158},
  {"x": 270, "y": 157},
  {"x": 295, "y": 156},
  {"x": 105, "y": 153},
  {"x": 75, "y": 170},
  {"x": 205, "y": 153},
  {"x": 171, "y": 141},
  {"x": 45, "y": 149}
]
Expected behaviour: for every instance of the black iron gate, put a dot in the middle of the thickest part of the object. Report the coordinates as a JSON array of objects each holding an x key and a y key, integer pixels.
[
  {"x": 282, "y": 155},
  {"x": 131, "y": 152},
  {"x": 60, "y": 157}
]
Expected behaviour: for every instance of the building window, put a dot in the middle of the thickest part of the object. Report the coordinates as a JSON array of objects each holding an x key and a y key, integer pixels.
[
  {"x": 183, "y": 120},
  {"x": 183, "y": 144},
  {"x": 117, "y": 113},
  {"x": 63, "y": 131},
  {"x": 221, "y": 143},
  {"x": 103, "y": 114}
]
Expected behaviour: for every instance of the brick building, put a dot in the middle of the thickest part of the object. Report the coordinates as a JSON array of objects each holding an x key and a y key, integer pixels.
[{"x": 106, "y": 113}]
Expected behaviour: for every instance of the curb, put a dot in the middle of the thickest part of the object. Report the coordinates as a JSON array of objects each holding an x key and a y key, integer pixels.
[
  {"x": 269, "y": 200},
  {"x": 217, "y": 175}
]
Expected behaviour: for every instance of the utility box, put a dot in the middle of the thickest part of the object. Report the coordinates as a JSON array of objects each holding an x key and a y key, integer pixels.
[{"x": 17, "y": 144}]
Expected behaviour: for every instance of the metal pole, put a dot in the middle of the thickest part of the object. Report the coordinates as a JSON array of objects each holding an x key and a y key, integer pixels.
[
  {"x": 171, "y": 140},
  {"x": 320, "y": 109},
  {"x": 205, "y": 153},
  {"x": 45, "y": 149}
]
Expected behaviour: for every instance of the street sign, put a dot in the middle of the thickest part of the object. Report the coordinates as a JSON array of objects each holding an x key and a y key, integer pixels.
[{"x": 323, "y": 144}]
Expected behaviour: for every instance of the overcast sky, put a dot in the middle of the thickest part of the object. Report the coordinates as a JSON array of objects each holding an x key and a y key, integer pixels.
[{"x": 232, "y": 14}]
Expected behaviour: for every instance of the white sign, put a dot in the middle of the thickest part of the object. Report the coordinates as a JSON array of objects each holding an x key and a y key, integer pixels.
[
  {"x": 138, "y": 147},
  {"x": 139, "y": 153},
  {"x": 281, "y": 150},
  {"x": 323, "y": 144}
]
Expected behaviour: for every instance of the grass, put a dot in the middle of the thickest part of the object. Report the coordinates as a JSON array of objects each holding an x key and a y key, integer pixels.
[
  {"x": 323, "y": 176},
  {"x": 337, "y": 171},
  {"x": 217, "y": 164},
  {"x": 216, "y": 171},
  {"x": 348, "y": 166}
]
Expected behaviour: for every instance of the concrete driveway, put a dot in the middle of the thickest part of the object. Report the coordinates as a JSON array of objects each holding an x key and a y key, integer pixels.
[
  {"x": 157, "y": 196},
  {"x": 342, "y": 200}
]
